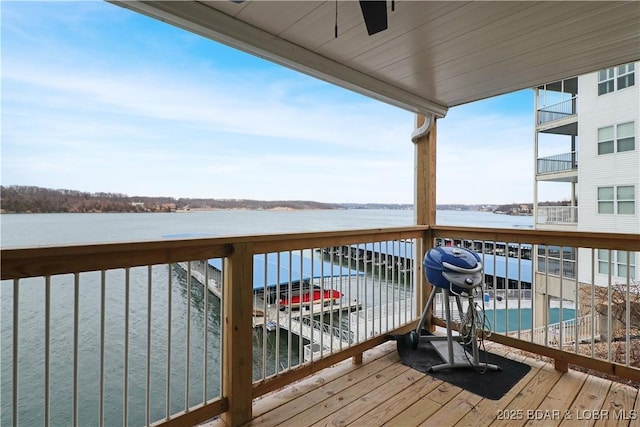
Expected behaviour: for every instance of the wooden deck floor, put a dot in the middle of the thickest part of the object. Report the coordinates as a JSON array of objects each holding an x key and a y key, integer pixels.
[{"x": 382, "y": 391}]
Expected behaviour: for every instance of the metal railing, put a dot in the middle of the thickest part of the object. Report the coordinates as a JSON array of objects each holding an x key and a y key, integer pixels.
[
  {"x": 558, "y": 163},
  {"x": 557, "y": 111},
  {"x": 139, "y": 330},
  {"x": 536, "y": 309},
  {"x": 135, "y": 345},
  {"x": 127, "y": 333},
  {"x": 313, "y": 295},
  {"x": 572, "y": 329},
  {"x": 557, "y": 215}
]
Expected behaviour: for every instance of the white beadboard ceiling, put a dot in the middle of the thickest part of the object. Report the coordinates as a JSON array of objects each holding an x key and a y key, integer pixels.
[{"x": 434, "y": 55}]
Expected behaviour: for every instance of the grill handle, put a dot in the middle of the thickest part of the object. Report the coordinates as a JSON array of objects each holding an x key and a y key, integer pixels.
[{"x": 461, "y": 269}]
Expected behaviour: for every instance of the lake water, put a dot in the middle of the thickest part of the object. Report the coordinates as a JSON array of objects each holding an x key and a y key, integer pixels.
[
  {"x": 23, "y": 230},
  {"x": 56, "y": 229}
]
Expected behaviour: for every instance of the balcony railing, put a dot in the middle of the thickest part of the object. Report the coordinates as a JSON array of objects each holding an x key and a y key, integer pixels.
[
  {"x": 557, "y": 215},
  {"x": 558, "y": 163},
  {"x": 178, "y": 332},
  {"x": 557, "y": 111}
]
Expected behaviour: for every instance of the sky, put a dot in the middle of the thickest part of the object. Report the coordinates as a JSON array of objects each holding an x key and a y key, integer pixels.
[{"x": 97, "y": 98}]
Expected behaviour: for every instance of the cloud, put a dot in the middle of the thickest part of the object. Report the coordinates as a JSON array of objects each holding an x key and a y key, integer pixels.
[
  {"x": 102, "y": 105},
  {"x": 484, "y": 157}
]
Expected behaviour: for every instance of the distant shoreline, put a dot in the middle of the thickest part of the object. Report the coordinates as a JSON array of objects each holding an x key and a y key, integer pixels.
[{"x": 30, "y": 199}]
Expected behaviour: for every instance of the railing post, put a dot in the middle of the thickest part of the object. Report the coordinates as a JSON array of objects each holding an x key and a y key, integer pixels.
[
  {"x": 237, "y": 363},
  {"x": 424, "y": 200}
]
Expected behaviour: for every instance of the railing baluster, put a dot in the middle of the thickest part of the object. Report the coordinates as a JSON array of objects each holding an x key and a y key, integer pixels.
[
  {"x": 609, "y": 310},
  {"x": 358, "y": 309},
  {"x": 47, "y": 350},
  {"x": 385, "y": 268},
  {"x": 341, "y": 331},
  {"x": 379, "y": 286},
  {"x": 594, "y": 261},
  {"x": 265, "y": 314},
  {"x": 561, "y": 310},
  {"x": 76, "y": 309},
  {"x": 577, "y": 304},
  {"x": 223, "y": 333},
  {"x": 103, "y": 287},
  {"x": 301, "y": 340},
  {"x": 366, "y": 299},
  {"x": 495, "y": 285},
  {"x": 14, "y": 365},
  {"x": 519, "y": 253},
  {"x": 311, "y": 344},
  {"x": 168, "y": 386},
  {"x": 289, "y": 312},
  {"x": 125, "y": 385},
  {"x": 278, "y": 280},
  {"x": 545, "y": 297},
  {"x": 628, "y": 312},
  {"x": 147, "y": 406},
  {"x": 187, "y": 364},
  {"x": 205, "y": 339},
  {"x": 506, "y": 286}
]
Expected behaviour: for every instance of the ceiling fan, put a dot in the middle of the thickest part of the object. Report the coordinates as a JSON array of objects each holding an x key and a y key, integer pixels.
[{"x": 374, "y": 13}]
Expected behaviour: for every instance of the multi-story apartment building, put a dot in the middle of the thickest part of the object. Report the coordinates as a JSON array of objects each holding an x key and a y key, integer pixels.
[{"x": 586, "y": 147}]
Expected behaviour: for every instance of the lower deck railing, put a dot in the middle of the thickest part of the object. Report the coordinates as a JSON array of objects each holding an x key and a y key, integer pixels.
[{"x": 180, "y": 331}]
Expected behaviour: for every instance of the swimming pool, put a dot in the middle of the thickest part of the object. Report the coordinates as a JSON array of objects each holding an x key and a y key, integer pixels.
[{"x": 510, "y": 316}]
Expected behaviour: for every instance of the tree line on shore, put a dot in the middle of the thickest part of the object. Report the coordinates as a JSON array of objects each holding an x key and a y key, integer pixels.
[{"x": 32, "y": 199}]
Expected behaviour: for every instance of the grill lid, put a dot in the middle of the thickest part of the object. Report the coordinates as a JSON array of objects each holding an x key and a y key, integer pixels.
[{"x": 452, "y": 267}]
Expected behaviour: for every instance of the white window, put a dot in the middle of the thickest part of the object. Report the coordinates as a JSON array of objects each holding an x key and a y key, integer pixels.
[
  {"x": 625, "y": 196},
  {"x": 617, "y": 200},
  {"x": 626, "y": 76},
  {"x": 618, "y": 138},
  {"x": 603, "y": 261},
  {"x": 626, "y": 137},
  {"x": 613, "y": 78},
  {"x": 622, "y": 263},
  {"x": 605, "y": 140},
  {"x": 605, "y": 200},
  {"x": 606, "y": 81}
]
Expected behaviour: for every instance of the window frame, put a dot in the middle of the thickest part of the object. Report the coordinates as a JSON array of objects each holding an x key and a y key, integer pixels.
[
  {"x": 607, "y": 142},
  {"x": 613, "y": 143},
  {"x": 617, "y": 259},
  {"x": 606, "y": 80},
  {"x": 627, "y": 76},
  {"x": 632, "y": 137},
  {"x": 615, "y": 201},
  {"x": 632, "y": 199},
  {"x": 616, "y": 78}
]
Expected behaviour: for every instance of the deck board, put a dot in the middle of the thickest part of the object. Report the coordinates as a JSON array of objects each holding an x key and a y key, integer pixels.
[
  {"x": 382, "y": 391},
  {"x": 395, "y": 406},
  {"x": 618, "y": 405},
  {"x": 591, "y": 397},
  {"x": 555, "y": 406}
]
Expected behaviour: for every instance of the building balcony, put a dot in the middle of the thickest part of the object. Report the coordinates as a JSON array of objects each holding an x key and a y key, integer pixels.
[
  {"x": 558, "y": 118},
  {"x": 558, "y": 111},
  {"x": 183, "y": 332},
  {"x": 559, "y": 167},
  {"x": 557, "y": 163},
  {"x": 557, "y": 215}
]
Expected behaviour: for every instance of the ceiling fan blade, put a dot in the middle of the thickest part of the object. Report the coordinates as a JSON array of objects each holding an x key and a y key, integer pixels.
[{"x": 374, "y": 13}]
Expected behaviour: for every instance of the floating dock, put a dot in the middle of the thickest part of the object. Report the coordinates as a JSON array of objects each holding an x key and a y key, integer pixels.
[{"x": 303, "y": 320}]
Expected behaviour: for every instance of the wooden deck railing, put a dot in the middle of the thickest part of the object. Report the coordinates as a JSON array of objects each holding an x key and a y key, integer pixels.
[{"x": 148, "y": 268}]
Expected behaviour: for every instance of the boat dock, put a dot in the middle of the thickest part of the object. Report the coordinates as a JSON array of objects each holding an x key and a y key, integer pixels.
[{"x": 303, "y": 320}]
